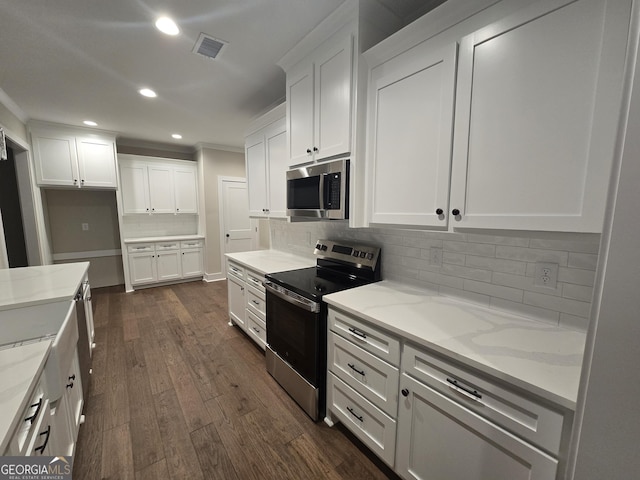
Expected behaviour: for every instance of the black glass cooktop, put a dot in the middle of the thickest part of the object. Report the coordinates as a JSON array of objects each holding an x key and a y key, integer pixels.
[{"x": 314, "y": 282}]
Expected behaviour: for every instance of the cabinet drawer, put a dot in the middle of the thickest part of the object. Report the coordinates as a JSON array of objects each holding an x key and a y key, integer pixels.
[
  {"x": 255, "y": 280},
  {"x": 30, "y": 418},
  {"x": 141, "y": 248},
  {"x": 258, "y": 328},
  {"x": 539, "y": 424},
  {"x": 235, "y": 270},
  {"x": 167, "y": 246},
  {"x": 256, "y": 304},
  {"x": 191, "y": 244},
  {"x": 376, "y": 430},
  {"x": 366, "y": 336},
  {"x": 374, "y": 379}
]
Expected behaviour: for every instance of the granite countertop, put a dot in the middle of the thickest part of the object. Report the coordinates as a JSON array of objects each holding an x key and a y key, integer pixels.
[
  {"x": 20, "y": 369},
  {"x": 540, "y": 358},
  {"x": 271, "y": 261},
  {"x": 28, "y": 286},
  {"x": 171, "y": 238}
]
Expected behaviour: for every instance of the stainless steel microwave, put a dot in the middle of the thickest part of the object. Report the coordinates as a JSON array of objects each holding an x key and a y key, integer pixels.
[{"x": 320, "y": 190}]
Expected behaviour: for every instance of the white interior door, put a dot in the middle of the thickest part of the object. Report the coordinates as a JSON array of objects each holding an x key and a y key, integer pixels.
[{"x": 238, "y": 231}]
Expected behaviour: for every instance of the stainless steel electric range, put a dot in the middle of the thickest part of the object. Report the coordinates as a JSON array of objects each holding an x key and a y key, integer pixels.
[{"x": 296, "y": 351}]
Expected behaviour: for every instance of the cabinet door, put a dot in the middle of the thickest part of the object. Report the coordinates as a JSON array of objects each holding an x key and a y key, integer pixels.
[
  {"x": 96, "y": 162},
  {"x": 192, "y": 262},
  {"x": 55, "y": 159},
  {"x": 255, "y": 156},
  {"x": 237, "y": 304},
  {"x": 186, "y": 189},
  {"x": 439, "y": 439},
  {"x": 74, "y": 396},
  {"x": 142, "y": 268},
  {"x": 412, "y": 126},
  {"x": 537, "y": 108},
  {"x": 278, "y": 162},
  {"x": 332, "y": 107},
  {"x": 134, "y": 186},
  {"x": 168, "y": 265},
  {"x": 161, "y": 192},
  {"x": 300, "y": 114}
]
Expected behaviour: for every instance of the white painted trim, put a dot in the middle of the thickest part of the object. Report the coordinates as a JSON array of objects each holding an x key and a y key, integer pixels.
[
  {"x": 13, "y": 107},
  {"x": 224, "y": 148},
  {"x": 214, "y": 277},
  {"x": 87, "y": 254},
  {"x": 268, "y": 118}
]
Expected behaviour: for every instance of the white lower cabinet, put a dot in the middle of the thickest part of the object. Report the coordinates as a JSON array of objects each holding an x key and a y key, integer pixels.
[
  {"x": 247, "y": 302},
  {"x": 192, "y": 258},
  {"x": 440, "y": 439},
  {"x": 237, "y": 305},
  {"x": 430, "y": 418},
  {"x": 168, "y": 261},
  {"x": 161, "y": 262}
]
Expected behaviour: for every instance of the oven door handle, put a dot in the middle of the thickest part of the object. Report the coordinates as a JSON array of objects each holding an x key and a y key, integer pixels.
[{"x": 299, "y": 301}]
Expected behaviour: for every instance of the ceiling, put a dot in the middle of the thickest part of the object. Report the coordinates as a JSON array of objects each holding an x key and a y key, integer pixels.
[{"x": 66, "y": 61}]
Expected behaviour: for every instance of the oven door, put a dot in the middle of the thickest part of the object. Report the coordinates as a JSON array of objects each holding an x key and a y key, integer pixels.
[{"x": 294, "y": 330}]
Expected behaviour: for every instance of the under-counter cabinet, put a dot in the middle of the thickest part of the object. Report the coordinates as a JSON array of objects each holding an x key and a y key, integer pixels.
[
  {"x": 236, "y": 294},
  {"x": 73, "y": 158},
  {"x": 247, "y": 301},
  {"x": 153, "y": 186},
  {"x": 192, "y": 261},
  {"x": 537, "y": 97},
  {"x": 266, "y": 165}
]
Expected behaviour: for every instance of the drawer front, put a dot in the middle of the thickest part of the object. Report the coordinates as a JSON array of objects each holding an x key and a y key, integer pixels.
[
  {"x": 141, "y": 248},
  {"x": 374, "y": 379},
  {"x": 235, "y": 270},
  {"x": 536, "y": 423},
  {"x": 167, "y": 246},
  {"x": 29, "y": 420},
  {"x": 255, "y": 280},
  {"x": 257, "y": 328},
  {"x": 191, "y": 244},
  {"x": 366, "y": 336},
  {"x": 375, "y": 429},
  {"x": 255, "y": 304}
]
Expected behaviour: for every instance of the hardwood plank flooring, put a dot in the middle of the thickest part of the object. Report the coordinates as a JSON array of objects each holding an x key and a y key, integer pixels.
[{"x": 178, "y": 393}]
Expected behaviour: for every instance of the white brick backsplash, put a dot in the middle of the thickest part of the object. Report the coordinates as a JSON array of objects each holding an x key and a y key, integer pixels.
[
  {"x": 577, "y": 292},
  {"x": 470, "y": 248},
  {"x": 508, "y": 293},
  {"x": 531, "y": 254},
  {"x": 576, "y": 276},
  {"x": 496, "y": 271},
  {"x": 497, "y": 264},
  {"x": 465, "y": 272},
  {"x": 559, "y": 304},
  {"x": 587, "y": 261}
]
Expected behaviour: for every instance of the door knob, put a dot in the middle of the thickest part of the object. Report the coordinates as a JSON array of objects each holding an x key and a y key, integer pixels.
[{"x": 227, "y": 235}]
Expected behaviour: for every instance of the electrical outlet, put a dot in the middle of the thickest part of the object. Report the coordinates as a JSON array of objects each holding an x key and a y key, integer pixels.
[
  {"x": 546, "y": 274},
  {"x": 435, "y": 255},
  {"x": 85, "y": 227}
]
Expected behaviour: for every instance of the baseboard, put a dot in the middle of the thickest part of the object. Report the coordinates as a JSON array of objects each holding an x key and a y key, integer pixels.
[{"x": 214, "y": 277}]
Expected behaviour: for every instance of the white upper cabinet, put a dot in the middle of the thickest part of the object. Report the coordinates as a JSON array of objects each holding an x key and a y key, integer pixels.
[
  {"x": 267, "y": 162},
  {"x": 68, "y": 158},
  {"x": 319, "y": 103},
  {"x": 411, "y": 151},
  {"x": 153, "y": 186},
  {"x": 538, "y": 101}
]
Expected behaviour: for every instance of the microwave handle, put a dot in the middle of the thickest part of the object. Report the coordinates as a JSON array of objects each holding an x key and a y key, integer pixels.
[{"x": 321, "y": 190}]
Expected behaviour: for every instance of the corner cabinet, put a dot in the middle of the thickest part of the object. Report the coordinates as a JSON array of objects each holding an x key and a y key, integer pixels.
[
  {"x": 153, "y": 186},
  {"x": 266, "y": 166},
  {"x": 535, "y": 96},
  {"x": 73, "y": 159}
]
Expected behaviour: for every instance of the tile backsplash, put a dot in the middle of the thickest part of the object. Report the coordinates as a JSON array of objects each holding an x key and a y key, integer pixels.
[
  {"x": 493, "y": 270},
  {"x": 137, "y": 226}
]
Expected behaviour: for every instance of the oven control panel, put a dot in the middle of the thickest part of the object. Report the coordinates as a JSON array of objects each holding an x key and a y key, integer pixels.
[{"x": 362, "y": 255}]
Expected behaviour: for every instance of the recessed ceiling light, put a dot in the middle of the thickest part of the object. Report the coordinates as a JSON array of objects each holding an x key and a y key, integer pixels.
[
  {"x": 91, "y": 123},
  {"x": 177, "y": 136},
  {"x": 167, "y": 25},
  {"x": 147, "y": 92}
]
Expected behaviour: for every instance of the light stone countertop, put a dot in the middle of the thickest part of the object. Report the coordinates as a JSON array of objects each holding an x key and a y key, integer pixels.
[
  {"x": 171, "y": 238},
  {"x": 271, "y": 261},
  {"x": 20, "y": 369},
  {"x": 28, "y": 286},
  {"x": 540, "y": 358}
]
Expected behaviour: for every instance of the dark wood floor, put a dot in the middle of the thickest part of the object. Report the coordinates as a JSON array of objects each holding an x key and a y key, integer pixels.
[{"x": 176, "y": 393}]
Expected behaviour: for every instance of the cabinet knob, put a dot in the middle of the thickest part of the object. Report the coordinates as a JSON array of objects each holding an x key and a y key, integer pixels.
[
  {"x": 75, "y": 180},
  {"x": 455, "y": 212},
  {"x": 153, "y": 209},
  {"x": 177, "y": 209},
  {"x": 147, "y": 209},
  {"x": 227, "y": 235},
  {"x": 72, "y": 377},
  {"x": 439, "y": 211},
  {"x": 315, "y": 149},
  {"x": 70, "y": 385},
  {"x": 405, "y": 392},
  {"x": 82, "y": 181},
  {"x": 309, "y": 151}
]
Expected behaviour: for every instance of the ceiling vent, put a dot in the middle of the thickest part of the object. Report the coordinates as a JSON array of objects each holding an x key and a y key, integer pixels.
[{"x": 209, "y": 47}]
